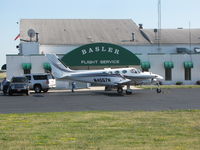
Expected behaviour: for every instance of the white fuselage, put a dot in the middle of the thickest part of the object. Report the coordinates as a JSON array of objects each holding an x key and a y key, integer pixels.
[
  {"x": 97, "y": 77},
  {"x": 111, "y": 76}
]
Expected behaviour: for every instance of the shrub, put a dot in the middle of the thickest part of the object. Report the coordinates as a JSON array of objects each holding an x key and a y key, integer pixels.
[
  {"x": 179, "y": 83},
  {"x": 198, "y": 82}
]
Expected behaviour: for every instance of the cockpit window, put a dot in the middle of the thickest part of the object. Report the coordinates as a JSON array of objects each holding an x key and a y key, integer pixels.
[
  {"x": 124, "y": 71},
  {"x": 133, "y": 71}
]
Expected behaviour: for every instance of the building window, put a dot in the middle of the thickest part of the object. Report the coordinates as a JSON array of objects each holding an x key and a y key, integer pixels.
[
  {"x": 27, "y": 68},
  {"x": 188, "y": 65},
  {"x": 169, "y": 65},
  {"x": 168, "y": 74},
  {"x": 47, "y": 67},
  {"x": 47, "y": 70},
  {"x": 27, "y": 71},
  {"x": 188, "y": 74}
]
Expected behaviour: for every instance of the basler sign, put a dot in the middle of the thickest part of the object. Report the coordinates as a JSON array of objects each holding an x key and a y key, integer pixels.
[
  {"x": 97, "y": 50},
  {"x": 101, "y": 49},
  {"x": 100, "y": 54}
]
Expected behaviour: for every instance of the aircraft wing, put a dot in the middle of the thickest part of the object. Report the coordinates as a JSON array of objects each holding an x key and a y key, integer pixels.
[{"x": 124, "y": 81}]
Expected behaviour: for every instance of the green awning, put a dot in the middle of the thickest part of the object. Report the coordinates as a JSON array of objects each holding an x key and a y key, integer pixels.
[
  {"x": 47, "y": 66},
  {"x": 168, "y": 64},
  {"x": 188, "y": 64},
  {"x": 145, "y": 65},
  {"x": 26, "y": 66}
]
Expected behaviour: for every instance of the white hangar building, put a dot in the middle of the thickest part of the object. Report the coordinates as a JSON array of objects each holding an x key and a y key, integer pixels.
[{"x": 107, "y": 43}]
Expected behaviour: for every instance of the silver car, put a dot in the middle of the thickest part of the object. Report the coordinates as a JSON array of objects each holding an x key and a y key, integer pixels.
[{"x": 41, "y": 82}]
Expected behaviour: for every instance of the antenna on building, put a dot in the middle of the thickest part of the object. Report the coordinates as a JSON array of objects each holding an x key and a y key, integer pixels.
[
  {"x": 133, "y": 37},
  {"x": 190, "y": 36},
  {"x": 31, "y": 33},
  {"x": 140, "y": 26},
  {"x": 37, "y": 37},
  {"x": 159, "y": 23},
  {"x": 155, "y": 31}
]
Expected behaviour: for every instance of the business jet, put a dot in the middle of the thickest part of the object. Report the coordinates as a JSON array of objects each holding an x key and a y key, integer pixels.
[{"x": 114, "y": 78}]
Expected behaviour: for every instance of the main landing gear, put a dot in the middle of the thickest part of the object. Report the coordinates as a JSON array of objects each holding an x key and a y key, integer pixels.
[
  {"x": 120, "y": 90},
  {"x": 128, "y": 90}
]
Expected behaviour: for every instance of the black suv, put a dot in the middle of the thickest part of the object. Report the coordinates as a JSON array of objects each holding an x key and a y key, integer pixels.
[{"x": 18, "y": 85}]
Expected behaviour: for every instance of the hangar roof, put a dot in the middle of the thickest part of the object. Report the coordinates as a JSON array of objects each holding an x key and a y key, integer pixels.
[
  {"x": 83, "y": 31},
  {"x": 116, "y": 31},
  {"x": 175, "y": 36}
]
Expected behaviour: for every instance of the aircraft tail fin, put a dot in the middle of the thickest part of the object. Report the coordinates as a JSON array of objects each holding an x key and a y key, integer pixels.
[{"x": 59, "y": 70}]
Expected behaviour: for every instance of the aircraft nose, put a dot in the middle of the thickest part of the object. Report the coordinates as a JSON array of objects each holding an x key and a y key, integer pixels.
[{"x": 158, "y": 77}]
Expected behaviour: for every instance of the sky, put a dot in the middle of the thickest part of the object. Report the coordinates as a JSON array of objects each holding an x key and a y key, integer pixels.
[{"x": 175, "y": 13}]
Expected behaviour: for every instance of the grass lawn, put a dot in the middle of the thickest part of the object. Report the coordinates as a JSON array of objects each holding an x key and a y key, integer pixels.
[
  {"x": 167, "y": 130},
  {"x": 168, "y": 86}
]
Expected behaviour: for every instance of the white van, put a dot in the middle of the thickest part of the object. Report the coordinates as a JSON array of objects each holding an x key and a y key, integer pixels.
[{"x": 41, "y": 82}]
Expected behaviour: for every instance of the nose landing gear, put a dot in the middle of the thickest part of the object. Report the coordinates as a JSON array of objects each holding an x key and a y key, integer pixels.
[{"x": 158, "y": 90}]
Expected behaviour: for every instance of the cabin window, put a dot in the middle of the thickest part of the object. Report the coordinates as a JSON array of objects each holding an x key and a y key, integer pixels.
[
  {"x": 124, "y": 71},
  {"x": 117, "y": 72}
]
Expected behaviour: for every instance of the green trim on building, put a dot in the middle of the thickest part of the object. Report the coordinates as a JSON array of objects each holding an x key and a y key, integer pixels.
[
  {"x": 46, "y": 66},
  {"x": 188, "y": 64},
  {"x": 145, "y": 65},
  {"x": 26, "y": 66},
  {"x": 100, "y": 54},
  {"x": 168, "y": 64}
]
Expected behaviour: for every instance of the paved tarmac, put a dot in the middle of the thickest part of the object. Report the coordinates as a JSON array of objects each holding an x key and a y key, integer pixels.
[{"x": 90, "y": 100}]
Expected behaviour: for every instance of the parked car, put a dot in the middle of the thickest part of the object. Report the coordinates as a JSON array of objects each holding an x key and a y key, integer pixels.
[
  {"x": 41, "y": 82},
  {"x": 18, "y": 84}
]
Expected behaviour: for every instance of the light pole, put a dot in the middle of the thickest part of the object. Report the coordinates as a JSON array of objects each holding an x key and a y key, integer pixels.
[{"x": 159, "y": 24}]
